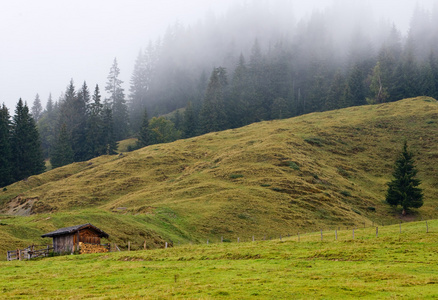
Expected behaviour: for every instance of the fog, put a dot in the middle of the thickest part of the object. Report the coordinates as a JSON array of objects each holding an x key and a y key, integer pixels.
[{"x": 48, "y": 42}]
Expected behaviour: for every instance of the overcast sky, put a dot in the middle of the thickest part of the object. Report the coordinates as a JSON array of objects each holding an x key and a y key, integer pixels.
[{"x": 45, "y": 43}]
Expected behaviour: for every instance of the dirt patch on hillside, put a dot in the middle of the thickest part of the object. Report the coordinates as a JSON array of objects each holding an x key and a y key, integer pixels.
[{"x": 19, "y": 206}]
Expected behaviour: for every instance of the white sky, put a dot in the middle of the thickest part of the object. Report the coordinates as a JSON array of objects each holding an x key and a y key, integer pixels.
[{"x": 45, "y": 43}]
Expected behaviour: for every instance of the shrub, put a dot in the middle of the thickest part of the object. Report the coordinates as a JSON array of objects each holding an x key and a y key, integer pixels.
[
  {"x": 235, "y": 176},
  {"x": 346, "y": 193},
  {"x": 293, "y": 165}
]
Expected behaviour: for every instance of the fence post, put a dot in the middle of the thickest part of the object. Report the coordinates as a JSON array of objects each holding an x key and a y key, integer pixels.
[
  {"x": 298, "y": 236},
  {"x": 336, "y": 234},
  {"x": 280, "y": 237},
  {"x": 208, "y": 242},
  {"x": 253, "y": 238},
  {"x": 238, "y": 239},
  {"x": 353, "y": 233},
  {"x": 377, "y": 231},
  {"x": 321, "y": 235},
  {"x": 129, "y": 246},
  {"x": 427, "y": 228},
  {"x": 144, "y": 245},
  {"x": 165, "y": 246}
]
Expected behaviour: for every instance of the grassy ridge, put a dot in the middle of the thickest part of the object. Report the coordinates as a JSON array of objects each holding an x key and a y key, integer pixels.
[
  {"x": 391, "y": 266},
  {"x": 315, "y": 171}
]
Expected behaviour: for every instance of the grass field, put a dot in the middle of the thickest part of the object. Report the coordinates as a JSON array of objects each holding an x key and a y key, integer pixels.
[
  {"x": 321, "y": 170},
  {"x": 393, "y": 265}
]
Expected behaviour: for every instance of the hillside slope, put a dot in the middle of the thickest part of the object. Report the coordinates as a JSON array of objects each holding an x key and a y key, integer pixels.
[{"x": 318, "y": 170}]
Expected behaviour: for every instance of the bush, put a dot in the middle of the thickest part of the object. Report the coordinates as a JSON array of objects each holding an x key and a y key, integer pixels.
[
  {"x": 235, "y": 176},
  {"x": 346, "y": 193},
  {"x": 293, "y": 165}
]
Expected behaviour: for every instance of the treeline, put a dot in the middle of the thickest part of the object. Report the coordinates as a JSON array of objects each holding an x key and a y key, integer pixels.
[
  {"x": 82, "y": 125},
  {"x": 333, "y": 59},
  {"x": 254, "y": 63}
]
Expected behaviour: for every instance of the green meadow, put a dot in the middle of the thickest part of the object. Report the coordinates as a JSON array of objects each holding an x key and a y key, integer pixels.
[{"x": 392, "y": 265}]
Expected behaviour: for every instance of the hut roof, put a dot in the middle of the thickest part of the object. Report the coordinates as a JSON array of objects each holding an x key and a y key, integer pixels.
[{"x": 72, "y": 229}]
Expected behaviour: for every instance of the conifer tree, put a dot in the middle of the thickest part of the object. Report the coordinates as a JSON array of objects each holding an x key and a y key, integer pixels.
[
  {"x": 109, "y": 143},
  {"x": 355, "y": 90},
  {"x": 78, "y": 132},
  {"x": 48, "y": 127},
  {"x": 213, "y": 116},
  {"x": 94, "y": 132},
  {"x": 279, "y": 109},
  {"x": 335, "y": 96},
  {"x": 403, "y": 189},
  {"x": 143, "y": 135},
  {"x": 37, "y": 108},
  {"x": 62, "y": 151},
  {"x": 189, "y": 122},
  {"x": 117, "y": 102},
  {"x": 27, "y": 156},
  {"x": 239, "y": 104},
  {"x": 5, "y": 147}
]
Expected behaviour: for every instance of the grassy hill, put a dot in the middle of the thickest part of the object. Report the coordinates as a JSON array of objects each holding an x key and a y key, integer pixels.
[
  {"x": 392, "y": 266},
  {"x": 321, "y": 170}
]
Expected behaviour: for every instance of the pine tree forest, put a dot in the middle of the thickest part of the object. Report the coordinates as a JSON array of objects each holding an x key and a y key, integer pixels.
[{"x": 232, "y": 70}]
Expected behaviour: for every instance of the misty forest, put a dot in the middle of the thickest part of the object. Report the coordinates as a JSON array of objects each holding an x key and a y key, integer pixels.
[{"x": 253, "y": 63}]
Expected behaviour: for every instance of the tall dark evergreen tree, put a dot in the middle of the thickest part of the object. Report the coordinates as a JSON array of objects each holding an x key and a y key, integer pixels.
[
  {"x": 238, "y": 105},
  {"x": 109, "y": 142},
  {"x": 117, "y": 102},
  {"x": 27, "y": 156},
  {"x": 143, "y": 135},
  {"x": 94, "y": 132},
  {"x": 5, "y": 147},
  {"x": 189, "y": 122},
  {"x": 212, "y": 115},
  {"x": 355, "y": 90},
  {"x": 62, "y": 151},
  {"x": 403, "y": 190},
  {"x": 79, "y": 131},
  {"x": 335, "y": 96},
  {"x": 258, "y": 84}
]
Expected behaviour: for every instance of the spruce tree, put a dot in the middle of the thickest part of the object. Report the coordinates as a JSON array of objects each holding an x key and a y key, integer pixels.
[
  {"x": 117, "y": 102},
  {"x": 213, "y": 116},
  {"x": 37, "y": 108},
  {"x": 238, "y": 106},
  {"x": 109, "y": 143},
  {"x": 403, "y": 189},
  {"x": 94, "y": 132},
  {"x": 143, "y": 135},
  {"x": 78, "y": 132},
  {"x": 5, "y": 147},
  {"x": 27, "y": 155},
  {"x": 189, "y": 122},
  {"x": 62, "y": 153}
]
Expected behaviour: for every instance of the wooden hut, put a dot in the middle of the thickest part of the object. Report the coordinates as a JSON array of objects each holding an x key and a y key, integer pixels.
[{"x": 69, "y": 239}]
